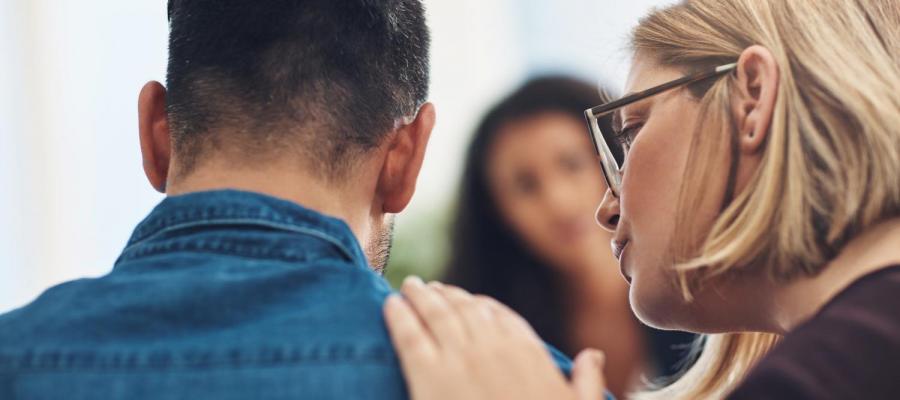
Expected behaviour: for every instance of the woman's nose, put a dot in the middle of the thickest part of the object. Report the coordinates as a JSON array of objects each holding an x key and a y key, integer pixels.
[{"x": 608, "y": 212}]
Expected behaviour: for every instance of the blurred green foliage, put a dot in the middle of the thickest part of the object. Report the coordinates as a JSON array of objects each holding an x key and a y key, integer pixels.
[{"x": 421, "y": 245}]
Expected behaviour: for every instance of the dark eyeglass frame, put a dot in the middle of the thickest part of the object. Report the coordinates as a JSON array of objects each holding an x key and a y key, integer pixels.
[{"x": 612, "y": 171}]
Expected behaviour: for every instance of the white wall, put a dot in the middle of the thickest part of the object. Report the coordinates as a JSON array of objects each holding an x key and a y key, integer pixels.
[
  {"x": 71, "y": 173},
  {"x": 70, "y": 170}
]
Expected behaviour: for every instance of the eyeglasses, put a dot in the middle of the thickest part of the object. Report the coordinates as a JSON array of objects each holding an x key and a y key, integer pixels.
[{"x": 607, "y": 144}]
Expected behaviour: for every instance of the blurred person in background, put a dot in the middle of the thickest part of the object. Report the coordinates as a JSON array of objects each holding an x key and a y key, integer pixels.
[{"x": 524, "y": 233}]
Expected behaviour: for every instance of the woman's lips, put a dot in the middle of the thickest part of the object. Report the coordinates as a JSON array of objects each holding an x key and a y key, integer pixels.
[{"x": 619, "y": 248}]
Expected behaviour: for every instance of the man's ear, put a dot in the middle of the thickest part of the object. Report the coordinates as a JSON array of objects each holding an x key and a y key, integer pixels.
[
  {"x": 754, "y": 100},
  {"x": 403, "y": 161},
  {"x": 153, "y": 125}
]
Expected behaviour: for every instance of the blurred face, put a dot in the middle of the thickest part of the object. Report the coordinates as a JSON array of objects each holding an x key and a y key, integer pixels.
[
  {"x": 644, "y": 215},
  {"x": 546, "y": 182}
]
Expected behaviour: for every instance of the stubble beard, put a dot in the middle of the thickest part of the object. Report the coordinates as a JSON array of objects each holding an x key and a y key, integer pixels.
[{"x": 378, "y": 250}]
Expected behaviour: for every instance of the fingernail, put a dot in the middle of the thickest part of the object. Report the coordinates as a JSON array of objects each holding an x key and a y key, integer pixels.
[
  {"x": 595, "y": 358},
  {"x": 414, "y": 281},
  {"x": 436, "y": 284},
  {"x": 393, "y": 300},
  {"x": 599, "y": 359},
  {"x": 581, "y": 358}
]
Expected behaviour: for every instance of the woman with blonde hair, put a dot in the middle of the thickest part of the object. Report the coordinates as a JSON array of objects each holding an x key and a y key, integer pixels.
[{"x": 757, "y": 202}]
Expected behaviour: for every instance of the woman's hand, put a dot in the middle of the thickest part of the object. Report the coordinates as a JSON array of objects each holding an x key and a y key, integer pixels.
[{"x": 453, "y": 345}]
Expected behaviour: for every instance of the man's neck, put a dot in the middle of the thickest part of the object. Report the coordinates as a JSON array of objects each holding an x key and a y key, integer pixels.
[
  {"x": 877, "y": 248},
  {"x": 287, "y": 182}
]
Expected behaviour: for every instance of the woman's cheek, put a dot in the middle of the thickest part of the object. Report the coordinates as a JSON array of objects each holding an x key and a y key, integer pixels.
[
  {"x": 634, "y": 179},
  {"x": 650, "y": 190}
]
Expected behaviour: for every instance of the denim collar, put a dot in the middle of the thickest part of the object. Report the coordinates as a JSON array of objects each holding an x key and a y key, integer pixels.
[{"x": 234, "y": 207}]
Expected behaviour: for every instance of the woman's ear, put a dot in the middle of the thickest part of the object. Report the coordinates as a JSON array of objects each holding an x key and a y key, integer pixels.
[
  {"x": 153, "y": 126},
  {"x": 403, "y": 160},
  {"x": 753, "y": 101}
]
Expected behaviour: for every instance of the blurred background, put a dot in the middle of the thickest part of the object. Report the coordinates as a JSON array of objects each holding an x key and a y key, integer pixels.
[{"x": 70, "y": 169}]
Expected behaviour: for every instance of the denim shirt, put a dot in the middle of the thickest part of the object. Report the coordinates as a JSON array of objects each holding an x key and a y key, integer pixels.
[{"x": 218, "y": 295}]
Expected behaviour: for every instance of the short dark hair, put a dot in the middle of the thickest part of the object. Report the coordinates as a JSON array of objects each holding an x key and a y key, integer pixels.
[{"x": 325, "y": 78}]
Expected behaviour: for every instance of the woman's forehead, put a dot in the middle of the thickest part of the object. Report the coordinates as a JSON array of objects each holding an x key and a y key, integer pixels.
[{"x": 645, "y": 73}]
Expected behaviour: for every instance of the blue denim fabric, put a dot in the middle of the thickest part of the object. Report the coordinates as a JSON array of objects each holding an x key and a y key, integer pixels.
[{"x": 218, "y": 295}]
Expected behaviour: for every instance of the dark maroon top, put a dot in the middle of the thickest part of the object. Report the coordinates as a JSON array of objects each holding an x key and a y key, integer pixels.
[{"x": 849, "y": 350}]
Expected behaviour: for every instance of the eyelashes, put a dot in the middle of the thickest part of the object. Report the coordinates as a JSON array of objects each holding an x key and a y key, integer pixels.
[{"x": 626, "y": 135}]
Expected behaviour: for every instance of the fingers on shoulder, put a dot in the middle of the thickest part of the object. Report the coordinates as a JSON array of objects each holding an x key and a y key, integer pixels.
[
  {"x": 411, "y": 339},
  {"x": 436, "y": 313},
  {"x": 475, "y": 314}
]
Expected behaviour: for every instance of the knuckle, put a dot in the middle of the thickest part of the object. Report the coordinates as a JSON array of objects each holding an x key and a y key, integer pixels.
[
  {"x": 410, "y": 339},
  {"x": 474, "y": 359},
  {"x": 462, "y": 302},
  {"x": 436, "y": 312},
  {"x": 458, "y": 292},
  {"x": 419, "y": 353}
]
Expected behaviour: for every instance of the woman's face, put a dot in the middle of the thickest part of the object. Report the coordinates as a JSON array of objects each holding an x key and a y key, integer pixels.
[
  {"x": 644, "y": 214},
  {"x": 546, "y": 182}
]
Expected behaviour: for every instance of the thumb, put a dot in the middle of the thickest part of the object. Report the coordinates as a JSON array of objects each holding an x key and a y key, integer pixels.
[{"x": 587, "y": 375}]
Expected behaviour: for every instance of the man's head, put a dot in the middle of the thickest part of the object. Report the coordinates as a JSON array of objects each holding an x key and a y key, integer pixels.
[
  {"x": 333, "y": 91},
  {"x": 322, "y": 78}
]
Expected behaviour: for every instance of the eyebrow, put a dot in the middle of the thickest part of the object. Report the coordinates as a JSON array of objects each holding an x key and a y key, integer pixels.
[
  {"x": 642, "y": 106},
  {"x": 617, "y": 120}
]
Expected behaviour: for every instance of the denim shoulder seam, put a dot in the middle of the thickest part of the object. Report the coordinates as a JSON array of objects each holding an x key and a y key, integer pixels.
[
  {"x": 163, "y": 359},
  {"x": 245, "y": 221}
]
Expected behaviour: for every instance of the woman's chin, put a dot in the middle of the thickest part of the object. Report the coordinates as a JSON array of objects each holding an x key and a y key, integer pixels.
[
  {"x": 672, "y": 313},
  {"x": 658, "y": 308}
]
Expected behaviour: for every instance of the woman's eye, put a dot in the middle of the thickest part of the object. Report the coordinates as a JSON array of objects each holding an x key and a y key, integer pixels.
[
  {"x": 573, "y": 162},
  {"x": 525, "y": 184},
  {"x": 626, "y": 136}
]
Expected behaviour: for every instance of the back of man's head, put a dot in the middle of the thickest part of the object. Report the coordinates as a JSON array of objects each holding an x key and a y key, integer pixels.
[{"x": 320, "y": 80}]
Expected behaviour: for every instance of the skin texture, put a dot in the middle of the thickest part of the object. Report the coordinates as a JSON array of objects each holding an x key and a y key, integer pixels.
[
  {"x": 382, "y": 185},
  {"x": 644, "y": 217},
  {"x": 544, "y": 177}
]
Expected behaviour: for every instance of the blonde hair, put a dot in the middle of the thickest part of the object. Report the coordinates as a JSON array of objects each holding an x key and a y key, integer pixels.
[{"x": 832, "y": 158}]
